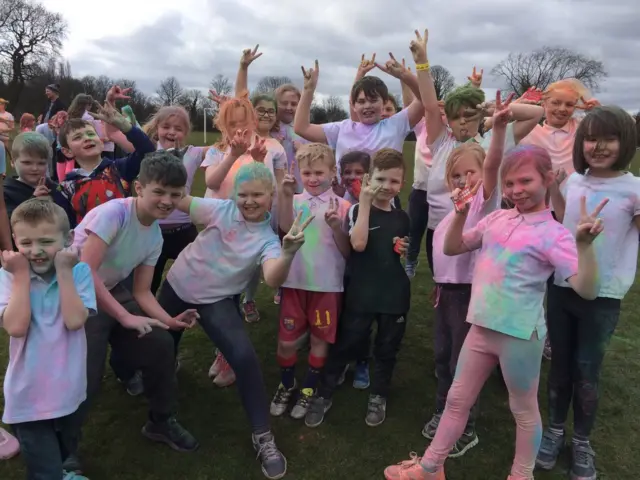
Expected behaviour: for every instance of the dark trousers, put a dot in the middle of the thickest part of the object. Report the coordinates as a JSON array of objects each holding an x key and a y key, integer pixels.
[
  {"x": 419, "y": 216},
  {"x": 46, "y": 444},
  {"x": 579, "y": 331},
  {"x": 352, "y": 329},
  {"x": 430, "y": 248},
  {"x": 175, "y": 240},
  {"x": 222, "y": 322},
  {"x": 451, "y": 331}
]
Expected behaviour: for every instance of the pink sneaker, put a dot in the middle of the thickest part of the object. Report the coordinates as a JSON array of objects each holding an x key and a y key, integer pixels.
[
  {"x": 9, "y": 446},
  {"x": 225, "y": 376},
  {"x": 216, "y": 366},
  {"x": 411, "y": 470}
]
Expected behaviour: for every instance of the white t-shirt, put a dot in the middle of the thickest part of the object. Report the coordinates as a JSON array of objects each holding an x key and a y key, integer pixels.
[
  {"x": 4, "y": 128},
  {"x": 130, "y": 244},
  {"x": 192, "y": 160},
  {"x": 422, "y": 164}
]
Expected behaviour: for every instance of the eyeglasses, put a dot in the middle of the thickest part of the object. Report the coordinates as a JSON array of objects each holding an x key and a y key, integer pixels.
[{"x": 265, "y": 113}]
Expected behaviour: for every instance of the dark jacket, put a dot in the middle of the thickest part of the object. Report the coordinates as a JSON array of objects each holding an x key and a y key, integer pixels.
[{"x": 58, "y": 106}]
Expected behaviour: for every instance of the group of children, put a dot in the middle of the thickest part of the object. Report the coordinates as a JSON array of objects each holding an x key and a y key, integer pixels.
[{"x": 314, "y": 211}]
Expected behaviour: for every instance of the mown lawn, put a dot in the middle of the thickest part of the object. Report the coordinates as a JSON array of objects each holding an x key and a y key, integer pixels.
[{"x": 344, "y": 447}]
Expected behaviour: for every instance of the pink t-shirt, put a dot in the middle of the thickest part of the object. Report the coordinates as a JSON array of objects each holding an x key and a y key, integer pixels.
[
  {"x": 518, "y": 254},
  {"x": 318, "y": 266},
  {"x": 422, "y": 163},
  {"x": 459, "y": 269}
]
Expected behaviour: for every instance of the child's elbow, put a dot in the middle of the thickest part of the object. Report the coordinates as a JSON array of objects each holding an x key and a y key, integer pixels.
[
  {"x": 16, "y": 331},
  {"x": 358, "y": 245}
]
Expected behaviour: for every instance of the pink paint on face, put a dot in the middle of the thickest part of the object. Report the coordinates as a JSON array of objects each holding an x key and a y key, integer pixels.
[{"x": 525, "y": 187}]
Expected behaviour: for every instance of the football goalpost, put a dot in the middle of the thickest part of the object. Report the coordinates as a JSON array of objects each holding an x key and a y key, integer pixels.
[{"x": 207, "y": 111}]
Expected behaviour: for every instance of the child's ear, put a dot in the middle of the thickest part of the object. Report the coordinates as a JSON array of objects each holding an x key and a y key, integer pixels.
[
  {"x": 138, "y": 187},
  {"x": 69, "y": 240}
]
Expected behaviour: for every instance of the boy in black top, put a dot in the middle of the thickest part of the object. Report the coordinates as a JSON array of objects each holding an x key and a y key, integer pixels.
[{"x": 378, "y": 290}]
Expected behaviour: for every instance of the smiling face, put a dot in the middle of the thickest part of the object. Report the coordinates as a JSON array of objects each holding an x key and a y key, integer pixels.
[
  {"x": 253, "y": 199},
  {"x": 157, "y": 201},
  {"x": 368, "y": 109},
  {"x": 84, "y": 145},
  {"x": 30, "y": 168},
  {"x": 559, "y": 107},
  {"x": 40, "y": 242},
  {"x": 391, "y": 181},
  {"x": 316, "y": 176},
  {"x": 525, "y": 187},
  {"x": 266, "y": 112},
  {"x": 172, "y": 132},
  {"x": 287, "y": 106},
  {"x": 601, "y": 152}
]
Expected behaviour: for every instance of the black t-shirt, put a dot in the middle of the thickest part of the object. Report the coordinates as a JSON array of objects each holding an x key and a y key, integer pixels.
[{"x": 378, "y": 282}]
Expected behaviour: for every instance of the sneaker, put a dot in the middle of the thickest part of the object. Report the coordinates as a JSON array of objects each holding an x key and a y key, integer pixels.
[
  {"x": 343, "y": 375},
  {"x": 361, "y": 380},
  {"x": 9, "y": 445},
  {"x": 583, "y": 462},
  {"x": 376, "y": 410},
  {"x": 171, "y": 433},
  {"x": 431, "y": 427},
  {"x": 72, "y": 464},
  {"x": 281, "y": 400},
  {"x": 411, "y": 470},
  {"x": 410, "y": 269},
  {"x": 216, "y": 366},
  {"x": 466, "y": 442},
  {"x": 277, "y": 297},
  {"x": 274, "y": 464},
  {"x": 550, "y": 448},
  {"x": 135, "y": 386},
  {"x": 226, "y": 376},
  {"x": 318, "y": 408},
  {"x": 72, "y": 476},
  {"x": 301, "y": 407},
  {"x": 251, "y": 314},
  {"x": 546, "y": 353}
]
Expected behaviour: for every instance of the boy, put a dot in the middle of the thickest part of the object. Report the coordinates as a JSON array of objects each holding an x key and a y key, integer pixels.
[
  {"x": 46, "y": 296},
  {"x": 312, "y": 295},
  {"x": 98, "y": 179},
  {"x": 379, "y": 289},
  {"x": 116, "y": 239}
]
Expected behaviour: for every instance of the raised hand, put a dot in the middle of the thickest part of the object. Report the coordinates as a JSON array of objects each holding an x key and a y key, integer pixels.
[
  {"x": 561, "y": 176},
  {"x": 462, "y": 197},
  {"x": 502, "y": 114},
  {"x": 418, "y": 47},
  {"x": 311, "y": 77},
  {"x": 219, "y": 99},
  {"x": 293, "y": 240},
  {"x": 41, "y": 190},
  {"x": 533, "y": 96},
  {"x": 368, "y": 191},
  {"x": 590, "y": 224},
  {"x": 14, "y": 262},
  {"x": 240, "y": 143},
  {"x": 289, "y": 182},
  {"x": 366, "y": 65},
  {"x": 392, "y": 67},
  {"x": 338, "y": 187},
  {"x": 108, "y": 114},
  {"x": 143, "y": 325},
  {"x": 117, "y": 93},
  {"x": 401, "y": 245},
  {"x": 67, "y": 258},
  {"x": 332, "y": 214},
  {"x": 476, "y": 78},
  {"x": 248, "y": 56},
  {"x": 356, "y": 188},
  {"x": 186, "y": 319},
  {"x": 589, "y": 104},
  {"x": 259, "y": 151}
]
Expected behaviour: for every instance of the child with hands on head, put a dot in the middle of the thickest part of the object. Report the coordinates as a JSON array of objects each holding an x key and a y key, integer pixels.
[
  {"x": 312, "y": 295},
  {"x": 211, "y": 273},
  {"x": 46, "y": 297}
]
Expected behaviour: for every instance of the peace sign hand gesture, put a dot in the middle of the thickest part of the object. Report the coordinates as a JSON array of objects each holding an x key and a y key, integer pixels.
[
  {"x": 311, "y": 77},
  {"x": 41, "y": 190},
  {"x": 248, "y": 56},
  {"x": 418, "y": 47},
  {"x": 240, "y": 143},
  {"x": 502, "y": 114},
  {"x": 332, "y": 214},
  {"x": 259, "y": 151},
  {"x": 108, "y": 114},
  {"x": 368, "y": 191},
  {"x": 476, "y": 78},
  {"x": 293, "y": 240},
  {"x": 366, "y": 65},
  {"x": 589, "y": 225},
  {"x": 462, "y": 197},
  {"x": 289, "y": 183},
  {"x": 117, "y": 93}
]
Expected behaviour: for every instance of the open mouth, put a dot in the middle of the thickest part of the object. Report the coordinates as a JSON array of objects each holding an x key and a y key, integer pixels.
[
  {"x": 39, "y": 262},
  {"x": 89, "y": 146},
  {"x": 165, "y": 209}
]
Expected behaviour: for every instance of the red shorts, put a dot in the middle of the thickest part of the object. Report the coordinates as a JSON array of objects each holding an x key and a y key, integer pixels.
[{"x": 301, "y": 310}]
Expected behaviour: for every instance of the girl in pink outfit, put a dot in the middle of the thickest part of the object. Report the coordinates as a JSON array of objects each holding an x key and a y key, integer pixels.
[{"x": 519, "y": 249}]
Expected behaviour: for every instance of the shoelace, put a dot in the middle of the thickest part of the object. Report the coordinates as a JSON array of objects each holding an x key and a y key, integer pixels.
[
  {"x": 304, "y": 400},
  {"x": 582, "y": 455},
  {"x": 282, "y": 394},
  {"x": 375, "y": 403},
  {"x": 549, "y": 441},
  {"x": 224, "y": 365},
  {"x": 413, "y": 460},
  {"x": 268, "y": 449}
]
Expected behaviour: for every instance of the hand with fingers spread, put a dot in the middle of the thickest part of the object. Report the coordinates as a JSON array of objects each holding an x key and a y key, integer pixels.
[
  {"x": 14, "y": 262},
  {"x": 240, "y": 143},
  {"x": 392, "y": 67},
  {"x": 293, "y": 240},
  {"x": 502, "y": 114},
  {"x": 533, "y": 96},
  {"x": 590, "y": 225},
  {"x": 248, "y": 56},
  {"x": 418, "y": 47},
  {"x": 368, "y": 192},
  {"x": 259, "y": 150},
  {"x": 41, "y": 190},
  {"x": 219, "y": 99},
  {"x": 66, "y": 259},
  {"x": 401, "y": 245},
  {"x": 332, "y": 214},
  {"x": 462, "y": 197},
  {"x": 289, "y": 182},
  {"x": 186, "y": 319},
  {"x": 117, "y": 93},
  {"x": 108, "y": 114},
  {"x": 311, "y": 77},
  {"x": 143, "y": 325},
  {"x": 366, "y": 65},
  {"x": 476, "y": 78}
]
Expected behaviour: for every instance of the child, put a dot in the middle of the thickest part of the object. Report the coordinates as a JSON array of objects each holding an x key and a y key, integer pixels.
[
  {"x": 453, "y": 275},
  {"x": 46, "y": 297},
  {"x": 116, "y": 239},
  {"x": 519, "y": 249},
  {"x": 211, "y": 273},
  {"x": 6, "y": 241},
  {"x": 312, "y": 294},
  {"x": 378, "y": 290},
  {"x": 579, "y": 329},
  {"x": 27, "y": 123}
]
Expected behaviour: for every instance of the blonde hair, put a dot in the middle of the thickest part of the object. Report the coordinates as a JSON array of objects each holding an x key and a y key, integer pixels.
[
  {"x": 223, "y": 118},
  {"x": 164, "y": 114},
  {"x": 314, "y": 152},
  {"x": 39, "y": 210},
  {"x": 458, "y": 153},
  {"x": 287, "y": 87},
  {"x": 572, "y": 84}
]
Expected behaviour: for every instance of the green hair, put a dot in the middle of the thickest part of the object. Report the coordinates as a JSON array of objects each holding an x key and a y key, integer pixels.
[
  {"x": 253, "y": 171},
  {"x": 465, "y": 96}
]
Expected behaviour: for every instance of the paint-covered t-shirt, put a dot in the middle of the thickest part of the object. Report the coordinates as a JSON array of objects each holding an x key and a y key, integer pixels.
[
  {"x": 286, "y": 136},
  {"x": 47, "y": 373},
  {"x": 191, "y": 160},
  {"x": 318, "y": 266},
  {"x": 130, "y": 244},
  {"x": 617, "y": 246},
  {"x": 422, "y": 164},
  {"x": 518, "y": 254},
  {"x": 223, "y": 258}
]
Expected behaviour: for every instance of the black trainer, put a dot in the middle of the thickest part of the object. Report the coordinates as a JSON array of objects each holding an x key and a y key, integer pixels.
[{"x": 171, "y": 433}]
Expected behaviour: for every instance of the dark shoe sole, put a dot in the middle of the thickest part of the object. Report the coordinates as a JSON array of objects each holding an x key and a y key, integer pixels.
[
  {"x": 321, "y": 421},
  {"x": 162, "y": 439},
  {"x": 546, "y": 466},
  {"x": 426, "y": 435},
  {"x": 375, "y": 424},
  {"x": 280, "y": 475}
]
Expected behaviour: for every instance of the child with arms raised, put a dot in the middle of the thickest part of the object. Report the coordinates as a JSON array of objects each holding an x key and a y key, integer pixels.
[
  {"x": 46, "y": 297},
  {"x": 312, "y": 294},
  {"x": 239, "y": 233},
  {"x": 580, "y": 329}
]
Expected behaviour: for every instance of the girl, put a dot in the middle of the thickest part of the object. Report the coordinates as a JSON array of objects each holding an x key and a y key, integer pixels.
[
  {"x": 239, "y": 234},
  {"x": 519, "y": 249},
  {"x": 579, "y": 329},
  {"x": 27, "y": 123},
  {"x": 466, "y": 165},
  {"x": 62, "y": 165}
]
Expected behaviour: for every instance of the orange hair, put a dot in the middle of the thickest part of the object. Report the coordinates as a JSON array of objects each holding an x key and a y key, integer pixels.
[
  {"x": 223, "y": 118},
  {"x": 27, "y": 121}
]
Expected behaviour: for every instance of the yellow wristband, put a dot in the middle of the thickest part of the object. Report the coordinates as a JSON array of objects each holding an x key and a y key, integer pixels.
[{"x": 421, "y": 67}]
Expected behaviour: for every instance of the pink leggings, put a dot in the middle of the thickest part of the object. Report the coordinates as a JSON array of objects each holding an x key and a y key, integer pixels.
[{"x": 520, "y": 361}]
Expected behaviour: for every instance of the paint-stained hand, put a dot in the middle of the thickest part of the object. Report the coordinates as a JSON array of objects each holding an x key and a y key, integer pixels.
[
  {"x": 67, "y": 258},
  {"x": 259, "y": 150},
  {"x": 293, "y": 240},
  {"x": 368, "y": 192},
  {"x": 186, "y": 319},
  {"x": 590, "y": 225},
  {"x": 117, "y": 93},
  {"x": 502, "y": 114},
  {"x": 332, "y": 214},
  {"x": 108, "y": 114},
  {"x": 311, "y": 77},
  {"x": 476, "y": 78},
  {"x": 248, "y": 56},
  {"x": 41, "y": 190},
  {"x": 401, "y": 245},
  {"x": 392, "y": 67},
  {"x": 143, "y": 325},
  {"x": 366, "y": 65},
  {"x": 418, "y": 47},
  {"x": 462, "y": 197},
  {"x": 14, "y": 262},
  {"x": 338, "y": 187},
  {"x": 240, "y": 143}
]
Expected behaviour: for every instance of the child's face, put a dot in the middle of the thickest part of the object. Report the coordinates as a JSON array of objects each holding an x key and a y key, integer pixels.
[
  {"x": 369, "y": 111},
  {"x": 351, "y": 172},
  {"x": 465, "y": 166},
  {"x": 40, "y": 243},
  {"x": 559, "y": 107},
  {"x": 30, "y": 168},
  {"x": 158, "y": 200},
  {"x": 391, "y": 181},
  {"x": 316, "y": 176},
  {"x": 525, "y": 188},
  {"x": 84, "y": 144},
  {"x": 601, "y": 152},
  {"x": 172, "y": 132},
  {"x": 463, "y": 125},
  {"x": 239, "y": 121},
  {"x": 287, "y": 106},
  {"x": 266, "y": 112},
  {"x": 254, "y": 199},
  {"x": 389, "y": 109}
]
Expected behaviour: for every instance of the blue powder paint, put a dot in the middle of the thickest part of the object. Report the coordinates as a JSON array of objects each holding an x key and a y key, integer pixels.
[{"x": 250, "y": 172}]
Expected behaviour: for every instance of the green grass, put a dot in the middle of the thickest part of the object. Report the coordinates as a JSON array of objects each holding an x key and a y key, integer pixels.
[{"x": 344, "y": 447}]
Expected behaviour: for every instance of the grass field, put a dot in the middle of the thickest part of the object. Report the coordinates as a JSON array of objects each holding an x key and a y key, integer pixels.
[{"x": 344, "y": 447}]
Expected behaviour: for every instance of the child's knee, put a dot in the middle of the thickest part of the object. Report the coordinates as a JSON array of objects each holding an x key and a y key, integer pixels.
[
  {"x": 319, "y": 346},
  {"x": 287, "y": 348}
]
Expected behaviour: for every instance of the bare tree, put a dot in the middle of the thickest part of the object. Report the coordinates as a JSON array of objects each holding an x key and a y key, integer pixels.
[
  {"x": 192, "y": 101},
  {"x": 221, "y": 84},
  {"x": 542, "y": 67},
  {"x": 270, "y": 84},
  {"x": 169, "y": 92},
  {"x": 334, "y": 109},
  {"x": 443, "y": 81}
]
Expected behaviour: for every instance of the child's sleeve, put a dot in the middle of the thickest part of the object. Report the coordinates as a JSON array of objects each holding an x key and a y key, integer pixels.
[
  {"x": 108, "y": 222},
  {"x": 213, "y": 157},
  {"x": 332, "y": 132},
  {"x": 399, "y": 123},
  {"x": 193, "y": 158},
  {"x": 204, "y": 211},
  {"x": 271, "y": 249},
  {"x": 83, "y": 280},
  {"x": 279, "y": 158},
  {"x": 562, "y": 254},
  {"x": 438, "y": 143},
  {"x": 472, "y": 238},
  {"x": 5, "y": 292},
  {"x": 129, "y": 166},
  {"x": 152, "y": 258}
]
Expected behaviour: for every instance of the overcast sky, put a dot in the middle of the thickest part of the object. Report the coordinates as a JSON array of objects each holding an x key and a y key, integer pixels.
[{"x": 196, "y": 39}]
